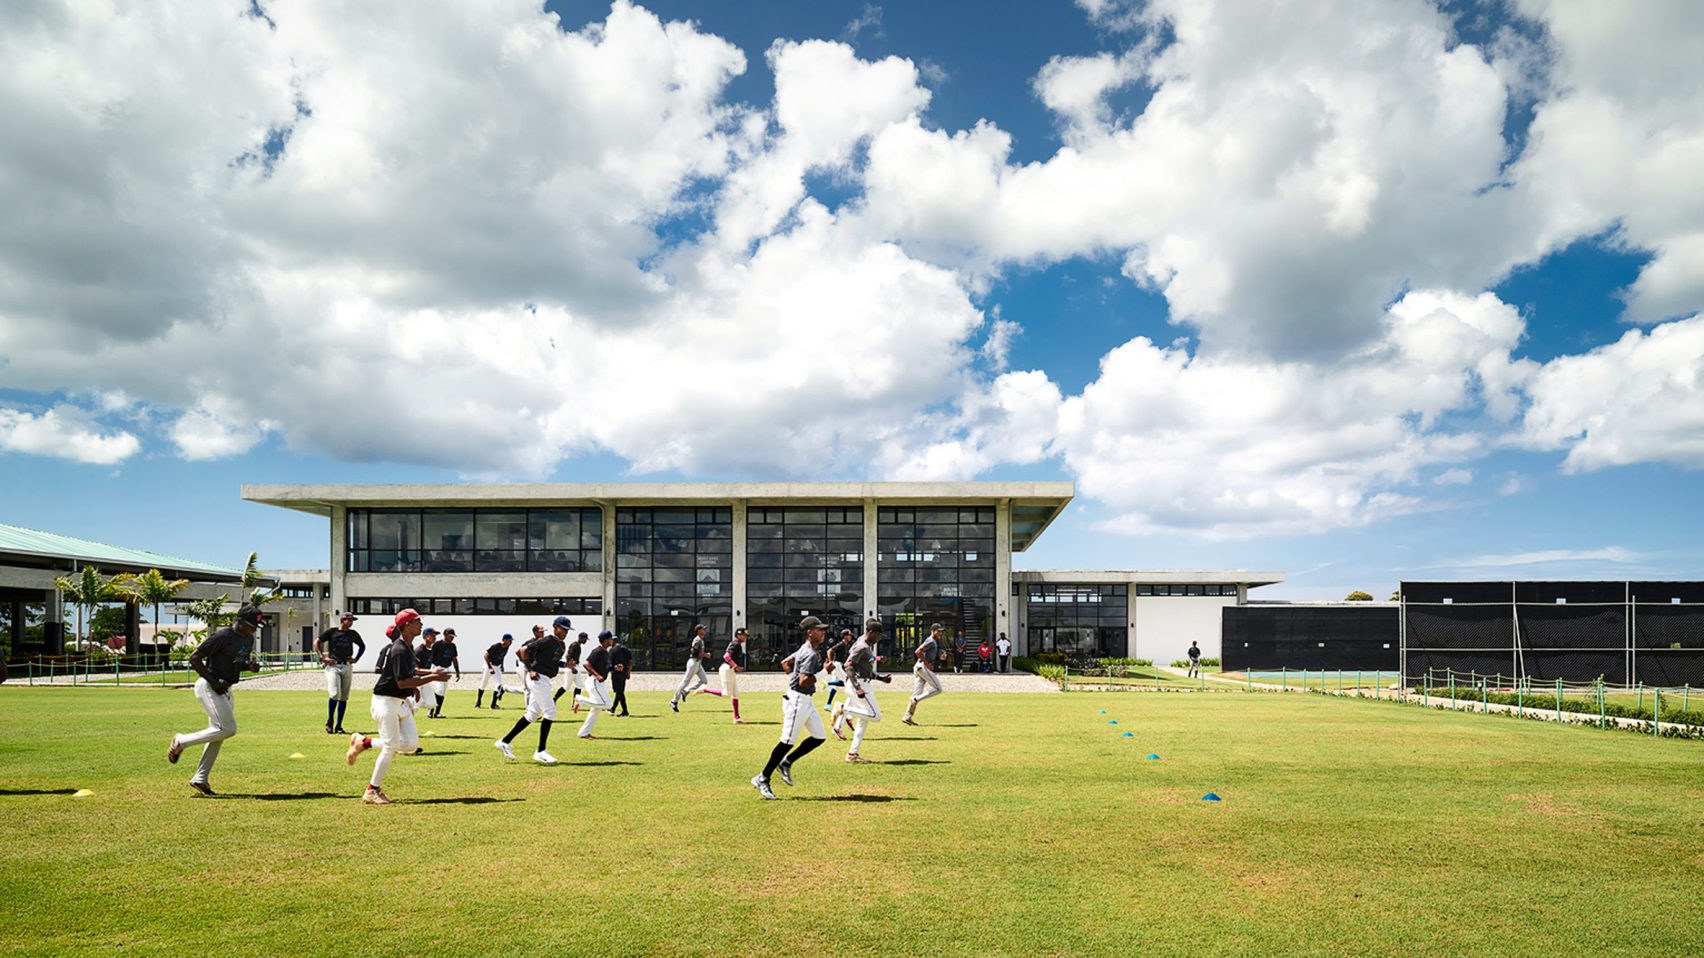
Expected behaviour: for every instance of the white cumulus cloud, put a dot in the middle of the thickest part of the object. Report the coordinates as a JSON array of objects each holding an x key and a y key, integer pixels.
[{"x": 65, "y": 432}]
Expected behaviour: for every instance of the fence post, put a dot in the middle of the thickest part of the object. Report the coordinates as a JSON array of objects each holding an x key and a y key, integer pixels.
[
  {"x": 1452, "y": 691},
  {"x": 1641, "y": 696},
  {"x": 1686, "y": 697},
  {"x": 1284, "y": 677},
  {"x": 1558, "y": 701},
  {"x": 1656, "y": 710},
  {"x": 1485, "y": 696},
  {"x": 1603, "y": 718}
]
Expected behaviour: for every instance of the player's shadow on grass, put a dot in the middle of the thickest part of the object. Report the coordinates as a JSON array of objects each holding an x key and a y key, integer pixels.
[
  {"x": 961, "y": 725},
  {"x": 911, "y": 738},
  {"x": 856, "y": 798},
  {"x": 633, "y": 738},
  {"x": 37, "y": 791},
  {"x": 915, "y": 761},
  {"x": 459, "y": 736},
  {"x": 594, "y": 764},
  {"x": 472, "y": 800},
  {"x": 281, "y": 796},
  {"x": 434, "y": 754}
]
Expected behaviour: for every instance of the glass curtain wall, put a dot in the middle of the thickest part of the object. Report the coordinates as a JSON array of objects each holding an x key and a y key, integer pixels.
[
  {"x": 1082, "y": 621},
  {"x": 475, "y": 540},
  {"x": 674, "y": 569},
  {"x": 799, "y": 562},
  {"x": 936, "y": 565}
]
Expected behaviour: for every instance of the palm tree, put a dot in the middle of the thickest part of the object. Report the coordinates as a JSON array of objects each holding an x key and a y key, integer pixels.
[
  {"x": 87, "y": 589},
  {"x": 154, "y": 589}
]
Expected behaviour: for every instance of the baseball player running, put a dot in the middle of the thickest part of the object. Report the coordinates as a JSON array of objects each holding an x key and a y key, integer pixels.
[
  {"x": 833, "y": 657},
  {"x": 542, "y": 659},
  {"x": 694, "y": 667},
  {"x": 596, "y": 682},
  {"x": 219, "y": 660},
  {"x": 928, "y": 686},
  {"x": 571, "y": 671},
  {"x": 399, "y": 683},
  {"x": 495, "y": 656},
  {"x": 443, "y": 657},
  {"x": 861, "y": 675},
  {"x": 798, "y": 712},
  {"x": 733, "y": 663},
  {"x": 338, "y": 650}
]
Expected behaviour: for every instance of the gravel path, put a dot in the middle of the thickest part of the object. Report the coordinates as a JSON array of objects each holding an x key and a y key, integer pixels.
[{"x": 669, "y": 681}]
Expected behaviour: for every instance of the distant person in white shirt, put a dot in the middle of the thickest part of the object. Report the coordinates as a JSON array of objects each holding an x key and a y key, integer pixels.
[{"x": 1003, "y": 646}]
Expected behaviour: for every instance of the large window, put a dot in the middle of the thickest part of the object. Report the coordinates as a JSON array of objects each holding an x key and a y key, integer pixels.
[
  {"x": 674, "y": 568},
  {"x": 1083, "y": 621},
  {"x": 475, "y": 540},
  {"x": 801, "y": 561},
  {"x": 936, "y": 565},
  {"x": 1187, "y": 590},
  {"x": 590, "y": 607}
]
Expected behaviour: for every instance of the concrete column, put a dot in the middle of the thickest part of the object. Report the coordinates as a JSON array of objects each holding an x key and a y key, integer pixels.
[
  {"x": 1003, "y": 618},
  {"x": 339, "y": 565},
  {"x": 132, "y": 628},
  {"x": 608, "y": 541},
  {"x": 739, "y": 584},
  {"x": 53, "y": 628},
  {"x": 1130, "y": 606},
  {"x": 872, "y": 579}
]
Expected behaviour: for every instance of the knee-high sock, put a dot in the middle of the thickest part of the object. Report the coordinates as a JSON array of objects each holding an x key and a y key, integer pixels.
[
  {"x": 440, "y": 703},
  {"x": 775, "y": 757},
  {"x": 805, "y": 748},
  {"x": 479, "y": 700},
  {"x": 330, "y": 711},
  {"x": 520, "y": 724},
  {"x": 831, "y": 691},
  {"x": 543, "y": 733},
  {"x": 736, "y": 708},
  {"x": 557, "y": 696},
  {"x": 342, "y": 706},
  {"x": 707, "y": 690}
]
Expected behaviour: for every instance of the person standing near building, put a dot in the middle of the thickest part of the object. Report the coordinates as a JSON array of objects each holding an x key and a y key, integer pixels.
[
  {"x": 219, "y": 661},
  {"x": 620, "y": 667},
  {"x": 444, "y": 656},
  {"x": 338, "y": 650},
  {"x": 733, "y": 663},
  {"x": 923, "y": 671},
  {"x": 861, "y": 675},
  {"x": 495, "y": 656},
  {"x": 832, "y": 657},
  {"x": 542, "y": 659},
  {"x": 596, "y": 666},
  {"x": 799, "y": 719},
  {"x": 1003, "y": 646},
  {"x": 958, "y": 651},
  {"x": 398, "y": 684},
  {"x": 1194, "y": 660},
  {"x": 985, "y": 657},
  {"x": 694, "y": 676}
]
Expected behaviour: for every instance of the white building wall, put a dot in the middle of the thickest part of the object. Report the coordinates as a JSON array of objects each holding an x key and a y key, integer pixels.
[{"x": 1165, "y": 625}]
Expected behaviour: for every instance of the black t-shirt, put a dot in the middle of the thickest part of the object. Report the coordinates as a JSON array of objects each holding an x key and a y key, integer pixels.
[
  {"x": 546, "y": 656},
  {"x": 340, "y": 644},
  {"x": 1194, "y": 652},
  {"x": 737, "y": 652},
  {"x": 496, "y": 654},
  {"x": 444, "y": 653},
  {"x": 572, "y": 655},
  {"x": 396, "y": 662},
  {"x": 837, "y": 651},
  {"x": 598, "y": 660},
  {"x": 423, "y": 655},
  {"x": 222, "y": 655},
  {"x": 621, "y": 655}
]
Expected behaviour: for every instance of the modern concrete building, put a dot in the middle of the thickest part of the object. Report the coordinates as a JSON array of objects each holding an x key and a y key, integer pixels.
[
  {"x": 1147, "y": 614},
  {"x": 650, "y": 560}
]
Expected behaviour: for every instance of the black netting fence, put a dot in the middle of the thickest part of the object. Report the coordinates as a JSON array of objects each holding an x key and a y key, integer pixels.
[
  {"x": 1326, "y": 637},
  {"x": 1624, "y": 633}
]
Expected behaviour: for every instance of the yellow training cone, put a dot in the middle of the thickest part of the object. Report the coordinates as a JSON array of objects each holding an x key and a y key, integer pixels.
[
  {"x": 82, "y": 793},
  {"x": 428, "y": 732},
  {"x": 297, "y": 755}
]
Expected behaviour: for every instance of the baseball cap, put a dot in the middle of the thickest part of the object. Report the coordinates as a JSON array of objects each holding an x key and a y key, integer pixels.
[
  {"x": 872, "y": 624},
  {"x": 812, "y": 622},
  {"x": 448, "y": 632},
  {"x": 249, "y": 614},
  {"x": 404, "y": 617},
  {"x": 740, "y": 631},
  {"x": 428, "y": 631},
  {"x": 562, "y": 622},
  {"x": 346, "y": 615},
  {"x": 605, "y": 634},
  {"x": 938, "y": 626},
  {"x": 507, "y": 638}
]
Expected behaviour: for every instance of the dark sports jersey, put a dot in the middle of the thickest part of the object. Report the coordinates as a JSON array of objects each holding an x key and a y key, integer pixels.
[
  {"x": 223, "y": 654},
  {"x": 396, "y": 662},
  {"x": 1194, "y": 652},
  {"x": 621, "y": 655},
  {"x": 340, "y": 645},
  {"x": 444, "y": 653},
  {"x": 837, "y": 651},
  {"x": 736, "y": 652},
  {"x": 697, "y": 651},
  {"x": 861, "y": 663},
  {"x": 572, "y": 655},
  {"x": 927, "y": 651},
  {"x": 545, "y": 656},
  {"x": 806, "y": 661},
  {"x": 598, "y": 660},
  {"x": 496, "y": 654},
  {"x": 422, "y": 656}
]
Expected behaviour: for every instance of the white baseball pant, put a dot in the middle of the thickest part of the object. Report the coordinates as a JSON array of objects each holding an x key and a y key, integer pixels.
[
  {"x": 861, "y": 712},
  {"x": 730, "y": 681},
  {"x": 596, "y": 699},
  {"x": 338, "y": 679},
  {"x": 540, "y": 702},
  {"x": 799, "y": 714},
  {"x": 927, "y": 685},
  {"x": 397, "y": 734},
  {"x": 491, "y": 672},
  {"x": 221, "y": 725},
  {"x": 694, "y": 668}
]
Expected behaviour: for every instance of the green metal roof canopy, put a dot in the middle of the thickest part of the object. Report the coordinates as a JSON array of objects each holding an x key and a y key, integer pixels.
[{"x": 19, "y": 541}]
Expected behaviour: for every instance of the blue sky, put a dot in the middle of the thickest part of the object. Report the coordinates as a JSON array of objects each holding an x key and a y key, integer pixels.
[{"x": 1368, "y": 292}]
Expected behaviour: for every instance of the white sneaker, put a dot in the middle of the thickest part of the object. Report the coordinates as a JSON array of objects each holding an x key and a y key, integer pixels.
[
  {"x": 786, "y": 770},
  {"x": 502, "y": 746},
  {"x": 758, "y": 782},
  {"x": 544, "y": 758}
]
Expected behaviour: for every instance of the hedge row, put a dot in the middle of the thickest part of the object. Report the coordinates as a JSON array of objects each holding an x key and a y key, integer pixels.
[{"x": 1538, "y": 699}]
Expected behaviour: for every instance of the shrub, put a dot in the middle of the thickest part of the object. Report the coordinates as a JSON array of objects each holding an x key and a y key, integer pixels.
[{"x": 1542, "y": 699}]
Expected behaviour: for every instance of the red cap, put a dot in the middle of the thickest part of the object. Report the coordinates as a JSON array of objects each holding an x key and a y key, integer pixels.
[{"x": 402, "y": 618}]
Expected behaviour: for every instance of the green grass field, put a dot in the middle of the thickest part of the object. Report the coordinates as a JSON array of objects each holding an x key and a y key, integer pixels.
[{"x": 1005, "y": 825}]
